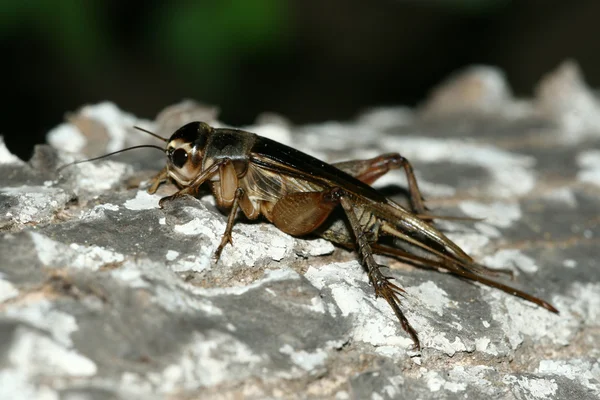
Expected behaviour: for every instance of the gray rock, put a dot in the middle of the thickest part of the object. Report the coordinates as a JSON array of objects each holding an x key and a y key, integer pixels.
[{"x": 105, "y": 295}]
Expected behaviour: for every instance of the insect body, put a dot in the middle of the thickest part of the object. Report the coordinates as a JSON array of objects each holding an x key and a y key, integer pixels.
[{"x": 302, "y": 195}]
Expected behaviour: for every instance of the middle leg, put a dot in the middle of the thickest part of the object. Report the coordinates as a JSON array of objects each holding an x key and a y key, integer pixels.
[{"x": 226, "y": 238}]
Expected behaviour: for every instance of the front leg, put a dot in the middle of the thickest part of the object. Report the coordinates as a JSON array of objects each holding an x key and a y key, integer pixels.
[
  {"x": 192, "y": 191},
  {"x": 158, "y": 179},
  {"x": 193, "y": 187}
]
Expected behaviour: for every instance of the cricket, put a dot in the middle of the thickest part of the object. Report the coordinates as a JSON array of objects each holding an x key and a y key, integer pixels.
[{"x": 302, "y": 196}]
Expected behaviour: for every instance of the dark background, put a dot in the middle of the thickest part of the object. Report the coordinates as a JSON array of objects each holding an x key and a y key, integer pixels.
[{"x": 310, "y": 60}]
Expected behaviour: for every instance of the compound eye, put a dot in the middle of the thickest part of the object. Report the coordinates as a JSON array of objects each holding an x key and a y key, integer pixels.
[{"x": 179, "y": 157}]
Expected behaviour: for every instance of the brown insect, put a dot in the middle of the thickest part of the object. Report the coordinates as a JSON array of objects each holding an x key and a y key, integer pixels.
[{"x": 302, "y": 195}]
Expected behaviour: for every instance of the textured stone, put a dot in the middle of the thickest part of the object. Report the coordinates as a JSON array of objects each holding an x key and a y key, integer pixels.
[{"x": 105, "y": 295}]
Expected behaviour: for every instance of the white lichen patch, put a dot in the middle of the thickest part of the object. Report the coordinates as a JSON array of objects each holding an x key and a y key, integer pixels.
[
  {"x": 512, "y": 174},
  {"x": 195, "y": 263},
  {"x": 496, "y": 216},
  {"x": 130, "y": 275},
  {"x": 142, "y": 201},
  {"x": 533, "y": 387},
  {"x": 482, "y": 344},
  {"x": 95, "y": 178},
  {"x": 251, "y": 243},
  {"x": 589, "y": 162},
  {"x": 171, "y": 255},
  {"x": 92, "y": 256},
  {"x": 373, "y": 320},
  {"x": 98, "y": 211},
  {"x": 477, "y": 376},
  {"x": 583, "y": 301},
  {"x": 39, "y": 355},
  {"x": 56, "y": 255},
  {"x": 6, "y": 157},
  {"x": 308, "y": 361},
  {"x": 66, "y": 137},
  {"x": 46, "y": 318},
  {"x": 176, "y": 299},
  {"x": 393, "y": 386},
  {"x": 471, "y": 242},
  {"x": 490, "y": 345},
  {"x": 431, "y": 296},
  {"x": 317, "y": 305},
  {"x": 117, "y": 122},
  {"x": 519, "y": 318},
  {"x": 173, "y": 294},
  {"x": 487, "y": 230},
  {"x": 439, "y": 340},
  {"x": 461, "y": 379},
  {"x": 207, "y": 360},
  {"x": 7, "y": 290},
  {"x": 198, "y": 226},
  {"x": 586, "y": 372},
  {"x": 499, "y": 214},
  {"x": 511, "y": 258},
  {"x": 17, "y": 384},
  {"x": 34, "y": 204},
  {"x": 563, "y": 196},
  {"x": 313, "y": 247},
  {"x": 277, "y": 245},
  {"x": 435, "y": 383}
]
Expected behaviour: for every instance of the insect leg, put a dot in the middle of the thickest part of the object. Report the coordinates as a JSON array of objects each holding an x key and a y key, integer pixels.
[
  {"x": 465, "y": 272},
  {"x": 157, "y": 180},
  {"x": 192, "y": 188},
  {"x": 368, "y": 171},
  {"x": 226, "y": 238},
  {"x": 383, "y": 287},
  {"x": 372, "y": 169},
  {"x": 457, "y": 259}
]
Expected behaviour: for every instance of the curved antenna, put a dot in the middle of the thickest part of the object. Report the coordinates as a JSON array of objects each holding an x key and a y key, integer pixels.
[
  {"x": 110, "y": 154},
  {"x": 151, "y": 134}
]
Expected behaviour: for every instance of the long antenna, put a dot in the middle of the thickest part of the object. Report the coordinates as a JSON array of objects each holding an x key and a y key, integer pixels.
[
  {"x": 151, "y": 133},
  {"x": 141, "y": 146}
]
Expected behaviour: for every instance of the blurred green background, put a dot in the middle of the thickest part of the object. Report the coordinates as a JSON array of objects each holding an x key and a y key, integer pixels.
[{"x": 309, "y": 60}]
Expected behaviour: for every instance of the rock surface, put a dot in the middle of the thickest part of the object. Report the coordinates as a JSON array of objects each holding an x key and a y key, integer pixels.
[{"x": 105, "y": 295}]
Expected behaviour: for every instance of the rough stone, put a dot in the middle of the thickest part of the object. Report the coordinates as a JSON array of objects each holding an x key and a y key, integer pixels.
[{"x": 105, "y": 295}]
